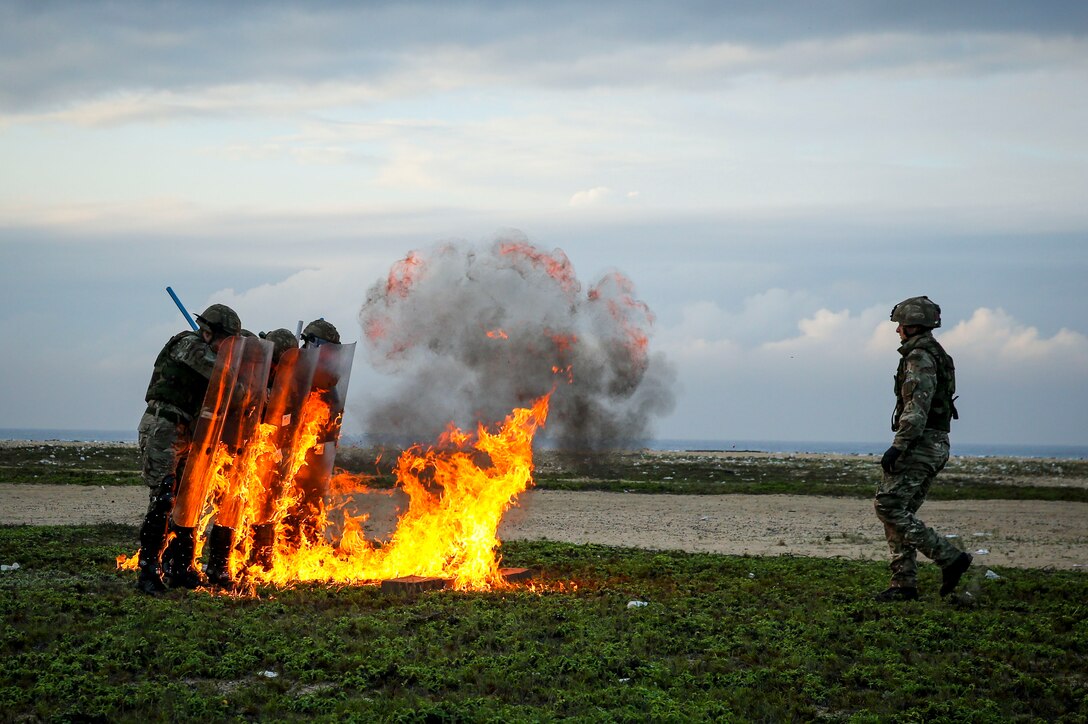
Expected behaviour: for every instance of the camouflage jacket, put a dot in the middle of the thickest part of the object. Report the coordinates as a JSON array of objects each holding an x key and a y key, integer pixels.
[
  {"x": 925, "y": 387},
  {"x": 181, "y": 373}
]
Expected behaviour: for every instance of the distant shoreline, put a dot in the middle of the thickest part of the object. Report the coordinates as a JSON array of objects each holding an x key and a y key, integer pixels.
[{"x": 14, "y": 436}]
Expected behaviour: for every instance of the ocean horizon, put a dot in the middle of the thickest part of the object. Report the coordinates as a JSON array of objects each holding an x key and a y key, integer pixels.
[{"x": 1073, "y": 452}]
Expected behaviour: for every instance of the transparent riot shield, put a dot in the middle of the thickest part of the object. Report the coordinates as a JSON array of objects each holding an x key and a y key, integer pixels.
[
  {"x": 283, "y": 416},
  {"x": 311, "y": 482},
  {"x": 306, "y": 404},
  {"x": 231, "y": 411}
]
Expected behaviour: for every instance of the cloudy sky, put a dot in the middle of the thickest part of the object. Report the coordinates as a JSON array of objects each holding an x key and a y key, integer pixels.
[{"x": 772, "y": 177}]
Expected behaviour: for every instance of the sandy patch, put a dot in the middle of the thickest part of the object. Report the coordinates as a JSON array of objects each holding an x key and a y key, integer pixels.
[{"x": 1020, "y": 534}]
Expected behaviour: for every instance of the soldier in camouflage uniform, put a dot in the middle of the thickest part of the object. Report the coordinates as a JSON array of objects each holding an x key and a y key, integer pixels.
[
  {"x": 302, "y": 519},
  {"x": 925, "y": 388},
  {"x": 220, "y": 537},
  {"x": 174, "y": 396},
  {"x": 282, "y": 340}
]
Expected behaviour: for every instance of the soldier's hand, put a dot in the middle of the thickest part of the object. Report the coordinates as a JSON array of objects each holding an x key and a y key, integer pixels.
[{"x": 890, "y": 456}]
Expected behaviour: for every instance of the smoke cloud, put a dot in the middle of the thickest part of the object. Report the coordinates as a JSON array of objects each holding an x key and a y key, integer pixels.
[{"x": 468, "y": 333}]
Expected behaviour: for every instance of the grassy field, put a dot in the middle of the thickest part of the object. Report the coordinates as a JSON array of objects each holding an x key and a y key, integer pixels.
[
  {"x": 636, "y": 472},
  {"x": 721, "y": 637}
]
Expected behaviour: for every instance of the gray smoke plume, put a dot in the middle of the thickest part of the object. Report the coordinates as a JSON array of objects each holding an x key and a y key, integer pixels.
[{"x": 471, "y": 333}]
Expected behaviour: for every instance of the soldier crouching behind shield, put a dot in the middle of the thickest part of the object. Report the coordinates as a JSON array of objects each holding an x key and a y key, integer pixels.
[
  {"x": 925, "y": 388},
  {"x": 174, "y": 396},
  {"x": 221, "y": 537},
  {"x": 303, "y": 520}
]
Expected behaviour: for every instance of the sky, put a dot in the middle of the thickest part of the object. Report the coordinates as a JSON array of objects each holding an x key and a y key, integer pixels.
[{"x": 771, "y": 177}]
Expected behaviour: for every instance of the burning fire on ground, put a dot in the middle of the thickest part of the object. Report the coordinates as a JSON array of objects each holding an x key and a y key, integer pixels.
[{"x": 458, "y": 491}]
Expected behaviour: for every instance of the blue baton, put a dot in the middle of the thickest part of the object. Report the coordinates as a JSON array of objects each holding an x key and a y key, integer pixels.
[{"x": 181, "y": 306}]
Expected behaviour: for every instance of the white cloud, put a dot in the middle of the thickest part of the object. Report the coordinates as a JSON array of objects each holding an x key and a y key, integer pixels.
[
  {"x": 591, "y": 197},
  {"x": 832, "y": 376},
  {"x": 409, "y": 167},
  {"x": 333, "y": 291},
  {"x": 940, "y": 54},
  {"x": 993, "y": 337}
]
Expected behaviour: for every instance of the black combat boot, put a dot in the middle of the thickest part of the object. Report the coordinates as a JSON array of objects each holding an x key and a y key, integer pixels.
[
  {"x": 264, "y": 538},
  {"x": 220, "y": 541},
  {"x": 178, "y": 561},
  {"x": 893, "y": 594},
  {"x": 152, "y": 537},
  {"x": 953, "y": 572}
]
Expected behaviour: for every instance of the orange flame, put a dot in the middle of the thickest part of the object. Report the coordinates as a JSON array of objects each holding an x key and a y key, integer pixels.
[
  {"x": 457, "y": 494},
  {"x": 631, "y": 314},
  {"x": 556, "y": 264}
]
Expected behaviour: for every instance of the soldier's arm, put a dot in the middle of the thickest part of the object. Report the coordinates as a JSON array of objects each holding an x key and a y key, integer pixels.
[
  {"x": 920, "y": 381},
  {"x": 195, "y": 353}
]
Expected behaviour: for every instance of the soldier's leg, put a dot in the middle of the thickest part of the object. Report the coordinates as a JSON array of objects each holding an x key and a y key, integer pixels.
[
  {"x": 904, "y": 565},
  {"x": 901, "y": 494},
  {"x": 162, "y": 444},
  {"x": 904, "y": 562}
]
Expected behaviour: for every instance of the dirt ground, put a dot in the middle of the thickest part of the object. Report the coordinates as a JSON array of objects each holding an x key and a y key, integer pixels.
[{"x": 1014, "y": 534}]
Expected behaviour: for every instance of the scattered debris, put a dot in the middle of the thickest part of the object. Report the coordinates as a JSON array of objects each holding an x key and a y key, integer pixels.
[
  {"x": 992, "y": 576},
  {"x": 982, "y": 551},
  {"x": 514, "y": 575},
  {"x": 12, "y": 567},
  {"x": 636, "y": 604},
  {"x": 269, "y": 674},
  {"x": 413, "y": 584}
]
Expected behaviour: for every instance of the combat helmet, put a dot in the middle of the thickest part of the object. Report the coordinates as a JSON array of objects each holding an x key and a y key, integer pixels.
[
  {"x": 282, "y": 340},
  {"x": 917, "y": 311},
  {"x": 320, "y": 331},
  {"x": 220, "y": 319}
]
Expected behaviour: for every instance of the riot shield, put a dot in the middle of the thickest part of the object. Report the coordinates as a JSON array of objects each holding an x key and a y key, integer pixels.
[
  {"x": 231, "y": 411},
  {"x": 307, "y": 404},
  {"x": 283, "y": 416},
  {"x": 311, "y": 482}
]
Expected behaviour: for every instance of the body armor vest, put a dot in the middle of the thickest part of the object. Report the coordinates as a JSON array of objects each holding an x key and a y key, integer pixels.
[
  {"x": 942, "y": 410},
  {"x": 176, "y": 383}
]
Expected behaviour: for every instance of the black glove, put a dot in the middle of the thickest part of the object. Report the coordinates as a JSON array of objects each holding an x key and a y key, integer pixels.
[{"x": 890, "y": 456}]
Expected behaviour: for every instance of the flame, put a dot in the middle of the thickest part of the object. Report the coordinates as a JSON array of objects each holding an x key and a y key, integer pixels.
[
  {"x": 404, "y": 274},
  {"x": 632, "y": 316},
  {"x": 568, "y": 371},
  {"x": 497, "y": 334},
  {"x": 457, "y": 494},
  {"x": 556, "y": 264},
  {"x": 457, "y": 491}
]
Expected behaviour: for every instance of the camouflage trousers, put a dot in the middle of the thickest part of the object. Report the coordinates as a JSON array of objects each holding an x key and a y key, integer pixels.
[
  {"x": 900, "y": 495},
  {"x": 163, "y": 447}
]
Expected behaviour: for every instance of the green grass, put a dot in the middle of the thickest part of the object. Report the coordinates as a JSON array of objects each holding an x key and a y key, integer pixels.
[
  {"x": 80, "y": 464},
  {"x": 728, "y": 638}
]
